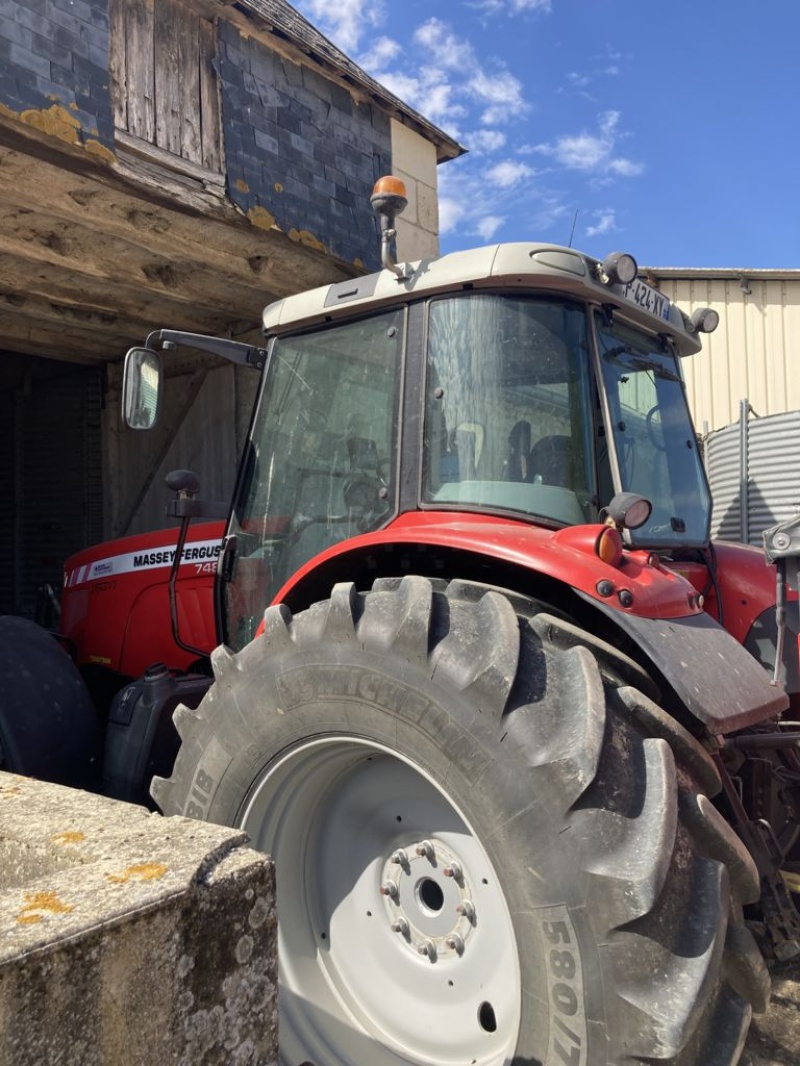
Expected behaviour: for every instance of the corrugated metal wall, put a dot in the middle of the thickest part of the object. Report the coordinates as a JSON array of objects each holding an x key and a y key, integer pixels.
[
  {"x": 772, "y": 470},
  {"x": 753, "y": 354}
]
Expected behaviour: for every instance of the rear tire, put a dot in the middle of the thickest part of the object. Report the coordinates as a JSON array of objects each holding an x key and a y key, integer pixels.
[{"x": 377, "y": 740}]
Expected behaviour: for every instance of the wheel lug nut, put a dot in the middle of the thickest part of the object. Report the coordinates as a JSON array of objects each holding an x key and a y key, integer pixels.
[
  {"x": 425, "y": 849},
  {"x": 455, "y": 942},
  {"x": 467, "y": 908},
  {"x": 399, "y": 857},
  {"x": 400, "y": 925},
  {"x": 389, "y": 888},
  {"x": 453, "y": 870},
  {"x": 427, "y": 947}
]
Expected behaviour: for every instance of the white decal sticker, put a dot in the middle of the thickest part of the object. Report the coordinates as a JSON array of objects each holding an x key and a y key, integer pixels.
[{"x": 197, "y": 552}]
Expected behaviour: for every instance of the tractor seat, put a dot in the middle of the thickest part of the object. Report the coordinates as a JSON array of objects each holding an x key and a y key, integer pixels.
[{"x": 551, "y": 460}]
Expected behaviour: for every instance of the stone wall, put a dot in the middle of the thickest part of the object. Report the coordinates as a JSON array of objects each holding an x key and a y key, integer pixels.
[
  {"x": 54, "y": 65},
  {"x": 301, "y": 149}
]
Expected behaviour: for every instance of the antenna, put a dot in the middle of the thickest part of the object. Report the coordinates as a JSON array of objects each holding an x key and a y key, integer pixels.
[{"x": 572, "y": 231}]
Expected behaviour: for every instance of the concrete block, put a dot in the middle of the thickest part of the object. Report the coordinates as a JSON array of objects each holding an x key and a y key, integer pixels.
[
  {"x": 413, "y": 154},
  {"x": 130, "y": 939},
  {"x": 428, "y": 207},
  {"x": 22, "y": 57}
]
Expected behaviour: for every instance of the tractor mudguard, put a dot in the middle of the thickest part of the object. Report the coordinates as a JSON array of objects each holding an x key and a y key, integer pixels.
[
  {"x": 49, "y": 727},
  {"x": 717, "y": 679}
]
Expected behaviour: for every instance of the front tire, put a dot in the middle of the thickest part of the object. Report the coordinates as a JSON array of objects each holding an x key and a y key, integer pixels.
[{"x": 485, "y": 851}]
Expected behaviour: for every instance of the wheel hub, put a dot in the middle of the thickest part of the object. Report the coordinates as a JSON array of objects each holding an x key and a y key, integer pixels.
[
  {"x": 428, "y": 899},
  {"x": 395, "y": 941}
]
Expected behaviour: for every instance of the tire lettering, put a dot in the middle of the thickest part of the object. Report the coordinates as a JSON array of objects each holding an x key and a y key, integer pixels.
[
  {"x": 571, "y": 1057},
  {"x": 330, "y": 683},
  {"x": 204, "y": 781},
  {"x": 556, "y": 932},
  {"x": 562, "y": 964},
  {"x": 568, "y": 1036}
]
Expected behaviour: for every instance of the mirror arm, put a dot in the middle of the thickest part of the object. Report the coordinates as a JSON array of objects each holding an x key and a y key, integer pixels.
[{"x": 233, "y": 351}]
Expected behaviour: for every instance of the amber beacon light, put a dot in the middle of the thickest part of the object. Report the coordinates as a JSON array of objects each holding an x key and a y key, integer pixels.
[{"x": 389, "y": 200}]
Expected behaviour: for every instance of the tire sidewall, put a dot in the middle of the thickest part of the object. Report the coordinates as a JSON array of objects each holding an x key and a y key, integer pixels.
[{"x": 272, "y": 703}]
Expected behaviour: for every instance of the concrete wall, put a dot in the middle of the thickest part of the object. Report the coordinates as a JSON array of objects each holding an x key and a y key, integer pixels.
[
  {"x": 414, "y": 160},
  {"x": 129, "y": 939}
]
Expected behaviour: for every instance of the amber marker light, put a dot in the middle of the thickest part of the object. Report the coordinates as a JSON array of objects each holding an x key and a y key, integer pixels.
[
  {"x": 389, "y": 195},
  {"x": 609, "y": 546}
]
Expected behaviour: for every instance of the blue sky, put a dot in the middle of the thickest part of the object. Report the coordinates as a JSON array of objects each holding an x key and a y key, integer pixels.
[{"x": 671, "y": 129}]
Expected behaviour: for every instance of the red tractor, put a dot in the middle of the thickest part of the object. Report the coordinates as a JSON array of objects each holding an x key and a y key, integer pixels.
[{"x": 510, "y": 724}]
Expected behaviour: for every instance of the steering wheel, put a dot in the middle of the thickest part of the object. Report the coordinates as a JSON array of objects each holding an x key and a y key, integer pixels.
[{"x": 362, "y": 495}]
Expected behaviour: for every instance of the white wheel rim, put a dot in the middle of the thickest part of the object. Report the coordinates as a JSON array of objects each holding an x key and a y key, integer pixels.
[{"x": 383, "y": 958}]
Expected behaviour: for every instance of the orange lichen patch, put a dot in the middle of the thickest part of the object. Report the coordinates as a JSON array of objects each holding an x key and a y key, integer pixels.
[
  {"x": 260, "y": 217},
  {"x": 71, "y": 836},
  {"x": 39, "y": 905},
  {"x": 99, "y": 150},
  {"x": 278, "y": 187},
  {"x": 56, "y": 121},
  {"x": 10, "y": 790},
  {"x": 308, "y": 239},
  {"x": 142, "y": 871},
  {"x": 241, "y": 185},
  {"x": 359, "y": 263}
]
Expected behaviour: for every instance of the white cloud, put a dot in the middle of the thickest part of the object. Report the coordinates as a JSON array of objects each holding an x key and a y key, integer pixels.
[
  {"x": 578, "y": 81},
  {"x": 345, "y": 21},
  {"x": 514, "y": 7},
  {"x": 484, "y": 141},
  {"x": 606, "y": 223},
  {"x": 508, "y": 173},
  {"x": 593, "y": 151},
  {"x": 488, "y": 226},
  {"x": 496, "y": 90},
  {"x": 626, "y": 168},
  {"x": 550, "y": 211},
  {"x": 452, "y": 52},
  {"x": 430, "y": 93},
  {"x": 451, "y": 213},
  {"x": 501, "y": 91},
  {"x": 383, "y": 51}
]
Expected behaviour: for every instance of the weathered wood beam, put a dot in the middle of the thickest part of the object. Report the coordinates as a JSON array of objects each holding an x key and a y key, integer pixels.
[
  {"x": 175, "y": 197},
  {"x": 78, "y": 267}
]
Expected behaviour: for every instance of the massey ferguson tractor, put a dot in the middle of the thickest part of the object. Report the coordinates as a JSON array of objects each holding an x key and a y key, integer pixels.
[{"x": 513, "y": 729}]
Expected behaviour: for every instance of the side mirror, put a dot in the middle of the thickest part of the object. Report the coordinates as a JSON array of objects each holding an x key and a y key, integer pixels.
[{"x": 141, "y": 388}]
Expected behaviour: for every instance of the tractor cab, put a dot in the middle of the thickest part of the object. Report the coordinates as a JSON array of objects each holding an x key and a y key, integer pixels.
[{"x": 537, "y": 401}]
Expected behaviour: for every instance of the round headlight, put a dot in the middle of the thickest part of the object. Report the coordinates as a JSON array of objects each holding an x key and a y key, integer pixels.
[
  {"x": 705, "y": 319},
  {"x": 629, "y": 510},
  {"x": 620, "y": 268}
]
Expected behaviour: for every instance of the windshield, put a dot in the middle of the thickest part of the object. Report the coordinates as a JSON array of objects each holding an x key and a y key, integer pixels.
[
  {"x": 654, "y": 441},
  {"x": 320, "y": 461},
  {"x": 508, "y": 421}
]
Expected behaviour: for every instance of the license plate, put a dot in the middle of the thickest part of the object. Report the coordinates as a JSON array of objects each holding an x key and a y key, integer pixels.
[{"x": 646, "y": 297}]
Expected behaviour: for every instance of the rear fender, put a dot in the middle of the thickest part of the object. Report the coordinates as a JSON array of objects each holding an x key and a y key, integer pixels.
[{"x": 712, "y": 675}]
